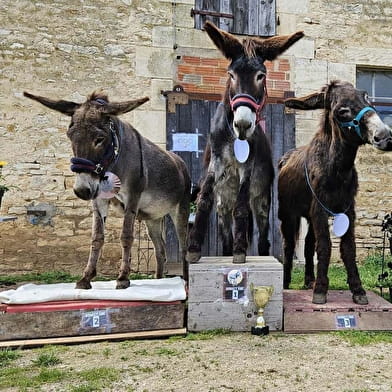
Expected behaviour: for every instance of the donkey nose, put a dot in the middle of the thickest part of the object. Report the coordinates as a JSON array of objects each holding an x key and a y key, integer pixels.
[
  {"x": 83, "y": 193},
  {"x": 242, "y": 125}
]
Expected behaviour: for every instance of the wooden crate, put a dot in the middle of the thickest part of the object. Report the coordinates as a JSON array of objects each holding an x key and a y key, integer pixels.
[
  {"x": 339, "y": 313},
  {"x": 210, "y": 305},
  {"x": 85, "y": 318}
]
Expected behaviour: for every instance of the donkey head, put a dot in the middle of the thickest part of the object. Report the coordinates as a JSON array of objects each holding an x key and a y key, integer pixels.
[
  {"x": 94, "y": 136},
  {"x": 348, "y": 108},
  {"x": 246, "y": 90}
]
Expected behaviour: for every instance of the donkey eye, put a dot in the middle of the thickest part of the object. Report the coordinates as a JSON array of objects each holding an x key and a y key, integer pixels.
[
  {"x": 98, "y": 141},
  {"x": 260, "y": 76},
  {"x": 231, "y": 75}
]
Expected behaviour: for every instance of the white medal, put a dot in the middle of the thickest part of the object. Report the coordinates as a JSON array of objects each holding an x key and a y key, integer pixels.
[
  {"x": 241, "y": 150},
  {"x": 341, "y": 224},
  {"x": 109, "y": 186}
]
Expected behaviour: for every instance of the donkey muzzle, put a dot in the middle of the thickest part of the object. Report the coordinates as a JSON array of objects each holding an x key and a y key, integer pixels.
[{"x": 86, "y": 187}]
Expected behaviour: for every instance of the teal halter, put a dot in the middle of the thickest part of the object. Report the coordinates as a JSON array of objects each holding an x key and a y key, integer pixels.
[{"x": 355, "y": 121}]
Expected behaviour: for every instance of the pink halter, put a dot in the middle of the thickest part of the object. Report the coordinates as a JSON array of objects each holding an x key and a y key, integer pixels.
[{"x": 251, "y": 103}]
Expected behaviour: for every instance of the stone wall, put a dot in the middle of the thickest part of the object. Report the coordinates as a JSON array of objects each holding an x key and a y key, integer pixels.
[{"x": 133, "y": 48}]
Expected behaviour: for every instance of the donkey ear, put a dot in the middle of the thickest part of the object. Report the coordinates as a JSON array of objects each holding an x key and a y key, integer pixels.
[
  {"x": 65, "y": 107},
  {"x": 116, "y": 108},
  {"x": 309, "y": 102},
  {"x": 229, "y": 45},
  {"x": 271, "y": 48}
]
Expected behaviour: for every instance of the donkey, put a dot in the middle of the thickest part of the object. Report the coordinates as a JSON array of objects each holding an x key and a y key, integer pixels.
[
  {"x": 320, "y": 179},
  {"x": 240, "y": 182},
  {"x": 153, "y": 182}
]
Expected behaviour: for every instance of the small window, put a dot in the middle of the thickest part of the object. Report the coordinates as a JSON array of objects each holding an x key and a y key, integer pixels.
[
  {"x": 250, "y": 17},
  {"x": 378, "y": 84}
]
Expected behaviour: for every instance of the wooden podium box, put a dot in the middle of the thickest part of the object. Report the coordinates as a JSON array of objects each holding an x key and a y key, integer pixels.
[
  {"x": 88, "y": 320},
  {"x": 339, "y": 313},
  {"x": 214, "y": 302}
]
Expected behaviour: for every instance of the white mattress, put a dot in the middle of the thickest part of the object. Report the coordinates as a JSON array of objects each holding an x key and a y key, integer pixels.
[{"x": 166, "y": 290}]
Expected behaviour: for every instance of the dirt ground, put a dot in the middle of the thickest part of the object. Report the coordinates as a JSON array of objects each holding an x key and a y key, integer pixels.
[{"x": 238, "y": 362}]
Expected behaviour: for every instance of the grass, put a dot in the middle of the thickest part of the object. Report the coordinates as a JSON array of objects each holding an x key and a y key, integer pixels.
[
  {"x": 57, "y": 277},
  {"x": 365, "y": 338},
  {"x": 7, "y": 356},
  {"x": 47, "y": 359},
  {"x": 369, "y": 270}
]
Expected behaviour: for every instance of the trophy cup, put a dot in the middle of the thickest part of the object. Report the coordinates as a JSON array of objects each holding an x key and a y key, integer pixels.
[{"x": 261, "y": 296}]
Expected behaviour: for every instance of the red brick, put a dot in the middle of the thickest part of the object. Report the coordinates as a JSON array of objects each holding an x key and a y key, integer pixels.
[
  {"x": 282, "y": 85},
  {"x": 211, "y": 62},
  {"x": 191, "y": 60},
  {"x": 200, "y": 70},
  {"x": 277, "y": 76},
  {"x": 275, "y": 93},
  {"x": 186, "y": 69},
  {"x": 222, "y": 72},
  {"x": 211, "y": 79},
  {"x": 284, "y": 66}
]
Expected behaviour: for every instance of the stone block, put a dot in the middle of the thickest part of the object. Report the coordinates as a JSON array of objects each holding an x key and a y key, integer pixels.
[
  {"x": 154, "y": 62},
  {"x": 302, "y": 49},
  {"x": 151, "y": 124}
]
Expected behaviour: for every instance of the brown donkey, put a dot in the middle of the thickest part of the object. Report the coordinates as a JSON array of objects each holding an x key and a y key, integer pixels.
[
  {"x": 319, "y": 180},
  {"x": 112, "y": 160},
  {"x": 240, "y": 170}
]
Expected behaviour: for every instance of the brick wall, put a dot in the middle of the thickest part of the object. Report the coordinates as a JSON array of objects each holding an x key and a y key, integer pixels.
[{"x": 201, "y": 75}]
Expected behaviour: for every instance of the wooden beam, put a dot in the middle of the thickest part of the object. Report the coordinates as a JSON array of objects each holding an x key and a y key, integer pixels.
[{"x": 93, "y": 338}]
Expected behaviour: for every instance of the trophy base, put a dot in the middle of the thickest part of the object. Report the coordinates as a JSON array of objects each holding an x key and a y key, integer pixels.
[{"x": 260, "y": 330}]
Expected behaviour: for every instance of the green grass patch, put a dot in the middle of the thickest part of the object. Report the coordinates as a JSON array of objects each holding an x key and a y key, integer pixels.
[
  {"x": 58, "y": 277},
  {"x": 47, "y": 359},
  {"x": 7, "y": 356},
  {"x": 96, "y": 379},
  {"x": 369, "y": 271},
  {"x": 364, "y": 338},
  {"x": 203, "y": 335}
]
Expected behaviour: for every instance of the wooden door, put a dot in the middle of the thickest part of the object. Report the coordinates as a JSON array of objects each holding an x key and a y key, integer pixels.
[{"x": 187, "y": 128}]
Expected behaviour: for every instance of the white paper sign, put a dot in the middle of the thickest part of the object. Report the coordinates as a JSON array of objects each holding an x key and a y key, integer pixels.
[{"x": 185, "y": 142}]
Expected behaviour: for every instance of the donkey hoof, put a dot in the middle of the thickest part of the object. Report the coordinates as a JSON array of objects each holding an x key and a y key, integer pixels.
[
  {"x": 192, "y": 257},
  {"x": 239, "y": 258},
  {"x": 123, "y": 284},
  {"x": 83, "y": 284},
  {"x": 309, "y": 284},
  {"x": 360, "y": 299},
  {"x": 319, "y": 298}
]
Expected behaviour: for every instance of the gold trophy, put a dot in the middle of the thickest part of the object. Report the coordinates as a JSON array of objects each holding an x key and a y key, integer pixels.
[{"x": 261, "y": 296}]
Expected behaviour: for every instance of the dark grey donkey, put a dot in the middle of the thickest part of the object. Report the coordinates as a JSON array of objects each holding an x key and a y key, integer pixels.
[
  {"x": 240, "y": 170},
  {"x": 145, "y": 181},
  {"x": 320, "y": 180}
]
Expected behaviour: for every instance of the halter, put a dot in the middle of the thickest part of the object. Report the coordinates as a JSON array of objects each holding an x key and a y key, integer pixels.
[
  {"x": 250, "y": 102},
  {"x": 109, "y": 159},
  {"x": 355, "y": 121}
]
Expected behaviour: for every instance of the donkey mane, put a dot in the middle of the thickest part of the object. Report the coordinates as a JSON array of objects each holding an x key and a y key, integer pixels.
[{"x": 98, "y": 94}]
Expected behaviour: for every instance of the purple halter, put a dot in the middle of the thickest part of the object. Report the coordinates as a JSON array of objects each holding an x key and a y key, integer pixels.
[{"x": 79, "y": 165}]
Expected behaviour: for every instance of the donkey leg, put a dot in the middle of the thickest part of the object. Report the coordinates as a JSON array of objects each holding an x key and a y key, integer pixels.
[
  {"x": 225, "y": 232},
  {"x": 348, "y": 254},
  {"x": 289, "y": 229},
  {"x": 100, "y": 209},
  {"x": 126, "y": 242},
  {"x": 241, "y": 221},
  {"x": 261, "y": 208},
  {"x": 323, "y": 249},
  {"x": 156, "y": 233},
  {"x": 204, "y": 205},
  {"x": 309, "y": 256},
  {"x": 180, "y": 220}
]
